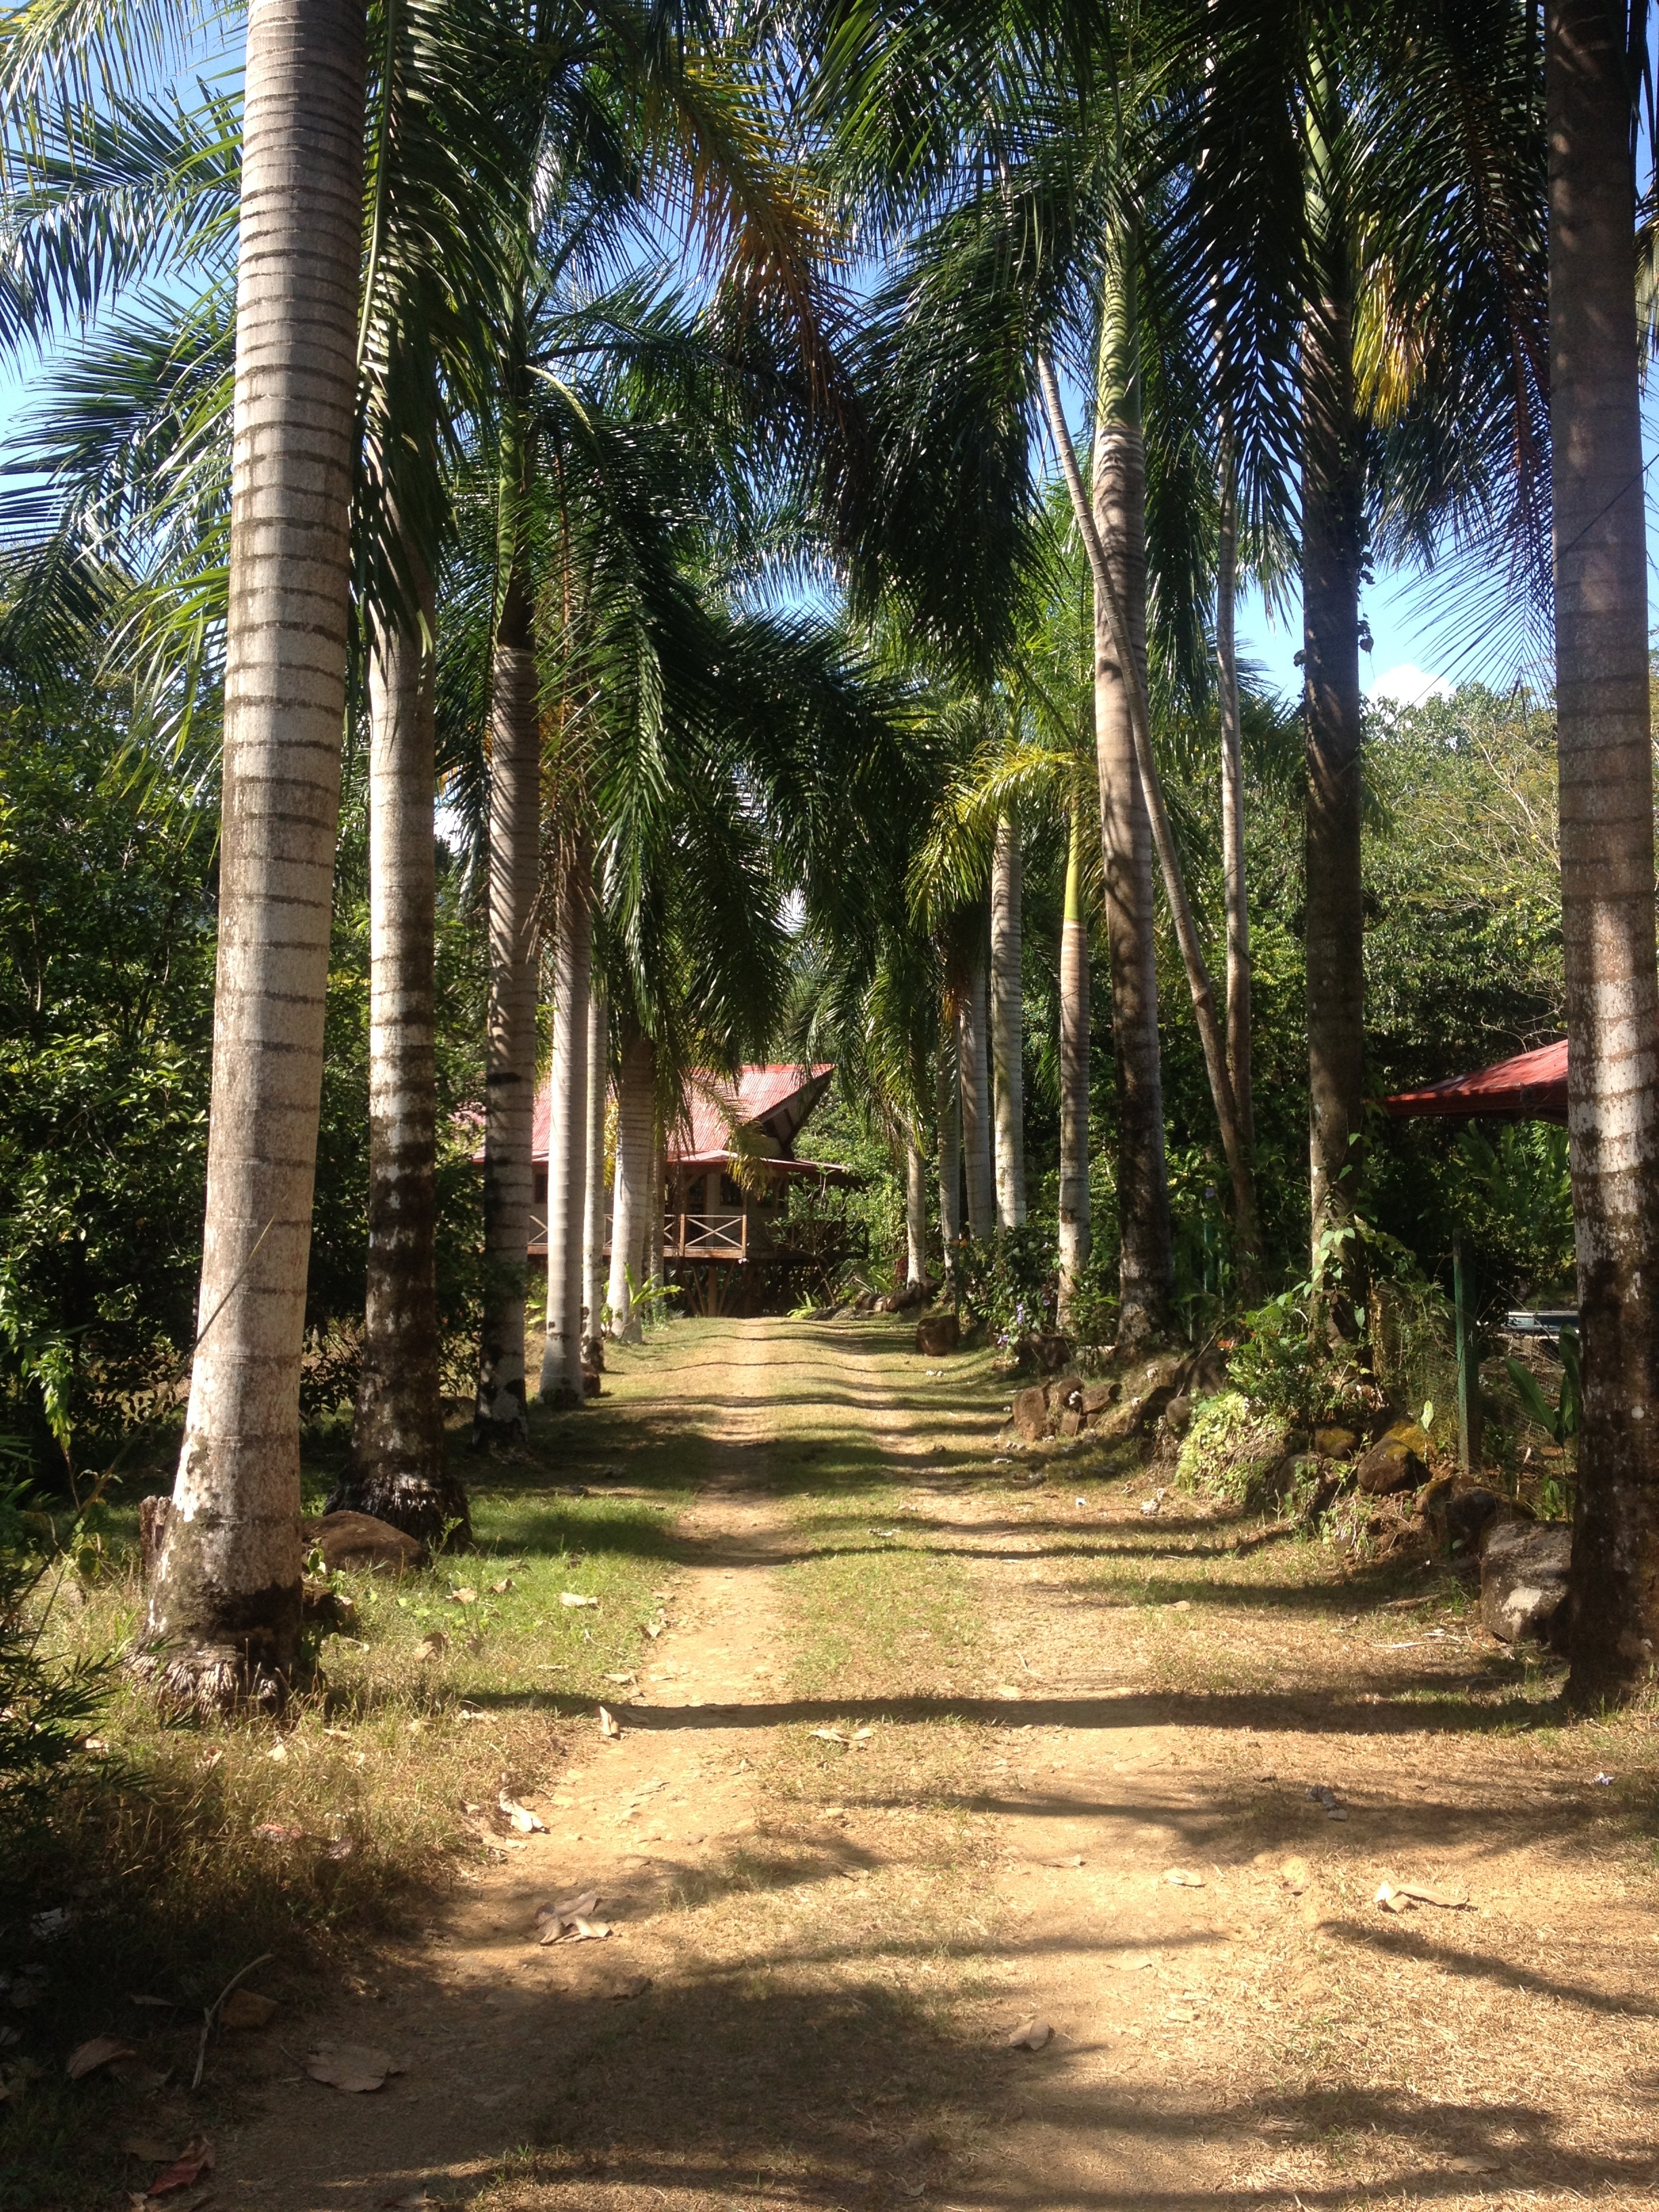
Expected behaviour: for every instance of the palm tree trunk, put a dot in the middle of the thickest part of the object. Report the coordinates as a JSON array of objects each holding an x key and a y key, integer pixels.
[
  {"x": 510, "y": 1036},
  {"x": 1333, "y": 555},
  {"x": 915, "y": 1211},
  {"x": 566, "y": 1143},
  {"x": 225, "y": 1593},
  {"x": 636, "y": 1116},
  {"x": 1146, "y": 1263},
  {"x": 974, "y": 1086},
  {"x": 1108, "y": 596},
  {"x": 599, "y": 1084},
  {"x": 1008, "y": 1024},
  {"x": 949, "y": 1141},
  {"x": 397, "y": 1470},
  {"x": 1232, "y": 815},
  {"x": 1075, "y": 1226},
  {"x": 1607, "y": 841}
]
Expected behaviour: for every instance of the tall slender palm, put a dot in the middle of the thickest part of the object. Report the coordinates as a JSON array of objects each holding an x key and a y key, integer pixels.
[
  {"x": 225, "y": 1597},
  {"x": 566, "y": 1142},
  {"x": 948, "y": 1117},
  {"x": 634, "y": 1200},
  {"x": 593, "y": 1185},
  {"x": 1602, "y": 691},
  {"x": 974, "y": 1086},
  {"x": 1235, "y": 888},
  {"x": 1007, "y": 1023},
  {"x": 1075, "y": 1232},
  {"x": 397, "y": 1470},
  {"x": 514, "y": 846}
]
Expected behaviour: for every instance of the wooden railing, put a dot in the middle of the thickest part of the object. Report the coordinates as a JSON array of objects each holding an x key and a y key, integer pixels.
[{"x": 706, "y": 1236}]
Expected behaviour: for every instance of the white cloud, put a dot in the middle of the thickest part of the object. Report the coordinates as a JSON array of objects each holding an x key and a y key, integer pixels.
[{"x": 1409, "y": 686}]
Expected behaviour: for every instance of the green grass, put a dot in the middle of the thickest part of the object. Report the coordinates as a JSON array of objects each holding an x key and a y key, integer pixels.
[{"x": 155, "y": 1854}]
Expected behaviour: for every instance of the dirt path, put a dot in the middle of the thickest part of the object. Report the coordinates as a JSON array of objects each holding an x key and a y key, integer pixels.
[{"x": 913, "y": 1760}]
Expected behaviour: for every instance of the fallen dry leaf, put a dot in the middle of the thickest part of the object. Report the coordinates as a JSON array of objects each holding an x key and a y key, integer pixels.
[
  {"x": 520, "y": 1816},
  {"x": 134, "y": 2074},
  {"x": 830, "y": 1736},
  {"x": 155, "y": 2148},
  {"x": 352, "y": 2067},
  {"x": 433, "y": 1646},
  {"x": 1180, "y": 1878},
  {"x": 244, "y": 2008},
  {"x": 502, "y": 1588},
  {"x": 191, "y": 2163},
  {"x": 610, "y": 1727},
  {"x": 87, "y": 2057},
  {"x": 1032, "y": 2034},
  {"x": 276, "y": 1831},
  {"x": 1295, "y": 1875},
  {"x": 278, "y": 1751},
  {"x": 634, "y": 1986},
  {"x": 1419, "y": 1895},
  {"x": 1130, "y": 1962},
  {"x": 571, "y": 1597},
  {"x": 464, "y": 1597},
  {"x": 1072, "y": 1859},
  {"x": 1471, "y": 2166}
]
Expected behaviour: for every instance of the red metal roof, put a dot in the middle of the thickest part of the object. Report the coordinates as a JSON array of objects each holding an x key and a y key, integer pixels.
[
  {"x": 1531, "y": 1087},
  {"x": 776, "y": 1100}
]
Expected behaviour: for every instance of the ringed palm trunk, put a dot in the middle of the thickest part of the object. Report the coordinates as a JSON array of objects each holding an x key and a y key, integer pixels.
[
  {"x": 973, "y": 1089},
  {"x": 945, "y": 1086},
  {"x": 224, "y": 1599},
  {"x": 397, "y": 1470},
  {"x": 510, "y": 1033},
  {"x": 916, "y": 1210},
  {"x": 636, "y": 1118},
  {"x": 566, "y": 1144},
  {"x": 1333, "y": 554},
  {"x": 1075, "y": 1237},
  {"x": 1606, "y": 845},
  {"x": 1146, "y": 1267},
  {"x": 1008, "y": 1024},
  {"x": 653, "y": 1219},
  {"x": 1237, "y": 890},
  {"x": 599, "y": 1082}
]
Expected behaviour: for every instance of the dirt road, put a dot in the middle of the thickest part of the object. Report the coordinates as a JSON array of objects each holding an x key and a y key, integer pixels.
[{"x": 925, "y": 1753}]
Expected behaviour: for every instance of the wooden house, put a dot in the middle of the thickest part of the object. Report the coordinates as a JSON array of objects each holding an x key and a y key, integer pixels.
[{"x": 728, "y": 1166}]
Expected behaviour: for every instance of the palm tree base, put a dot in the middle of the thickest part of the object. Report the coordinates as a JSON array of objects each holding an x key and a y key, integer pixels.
[{"x": 209, "y": 1680}]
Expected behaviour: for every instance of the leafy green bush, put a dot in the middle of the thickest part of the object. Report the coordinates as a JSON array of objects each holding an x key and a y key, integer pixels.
[
  {"x": 1007, "y": 1282},
  {"x": 43, "y": 1709},
  {"x": 1230, "y": 1448}
]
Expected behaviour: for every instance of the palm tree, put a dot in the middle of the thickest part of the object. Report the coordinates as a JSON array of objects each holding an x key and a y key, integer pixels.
[
  {"x": 948, "y": 1123},
  {"x": 1007, "y": 1023},
  {"x": 598, "y": 1089},
  {"x": 1075, "y": 1234},
  {"x": 514, "y": 867},
  {"x": 224, "y": 1606},
  {"x": 1602, "y": 708},
  {"x": 567, "y": 1143},
  {"x": 974, "y": 1086},
  {"x": 1237, "y": 890},
  {"x": 397, "y": 1469},
  {"x": 634, "y": 1198}
]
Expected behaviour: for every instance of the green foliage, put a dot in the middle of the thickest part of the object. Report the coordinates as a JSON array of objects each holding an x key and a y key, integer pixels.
[
  {"x": 1282, "y": 1368},
  {"x": 44, "y": 1708},
  {"x": 1559, "y": 1422},
  {"x": 1230, "y": 1447},
  {"x": 1007, "y": 1282},
  {"x": 105, "y": 985}
]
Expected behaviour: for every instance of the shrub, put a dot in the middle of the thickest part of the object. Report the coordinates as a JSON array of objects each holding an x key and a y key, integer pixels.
[
  {"x": 1230, "y": 1448},
  {"x": 44, "y": 1708}
]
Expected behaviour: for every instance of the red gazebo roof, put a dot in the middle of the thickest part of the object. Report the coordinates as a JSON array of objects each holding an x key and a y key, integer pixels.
[{"x": 1530, "y": 1087}]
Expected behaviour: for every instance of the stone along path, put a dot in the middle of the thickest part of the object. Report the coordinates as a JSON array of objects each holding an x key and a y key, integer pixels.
[{"x": 926, "y": 1756}]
